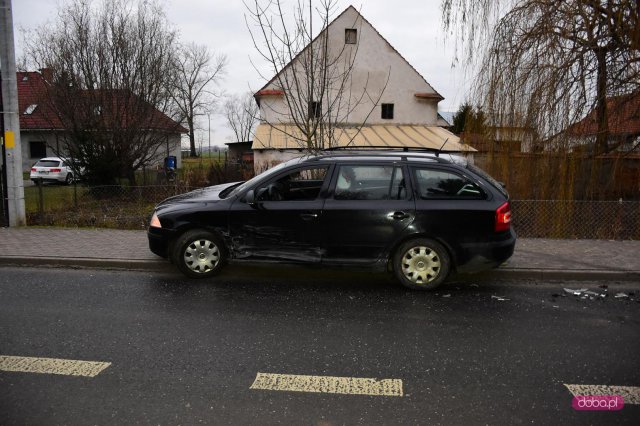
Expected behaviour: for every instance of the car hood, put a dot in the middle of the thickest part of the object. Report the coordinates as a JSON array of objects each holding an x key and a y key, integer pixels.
[{"x": 202, "y": 195}]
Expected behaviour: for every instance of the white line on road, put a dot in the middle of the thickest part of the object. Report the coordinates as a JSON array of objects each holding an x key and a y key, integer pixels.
[
  {"x": 328, "y": 384},
  {"x": 630, "y": 394},
  {"x": 67, "y": 367}
]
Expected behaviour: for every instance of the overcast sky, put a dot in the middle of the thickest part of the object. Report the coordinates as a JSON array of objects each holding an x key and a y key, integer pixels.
[{"x": 414, "y": 28}]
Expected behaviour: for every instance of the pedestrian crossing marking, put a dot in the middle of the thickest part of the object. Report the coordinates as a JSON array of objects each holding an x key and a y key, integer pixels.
[
  {"x": 630, "y": 394},
  {"x": 328, "y": 384},
  {"x": 67, "y": 367}
]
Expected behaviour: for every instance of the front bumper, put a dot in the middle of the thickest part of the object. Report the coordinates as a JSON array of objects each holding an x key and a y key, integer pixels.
[{"x": 159, "y": 241}]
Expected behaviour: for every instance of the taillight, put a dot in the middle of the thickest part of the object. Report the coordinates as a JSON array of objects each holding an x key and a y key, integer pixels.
[
  {"x": 33, "y": 169},
  {"x": 55, "y": 170},
  {"x": 503, "y": 217}
]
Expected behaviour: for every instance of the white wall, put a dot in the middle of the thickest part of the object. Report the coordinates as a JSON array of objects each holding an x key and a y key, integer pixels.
[
  {"x": 54, "y": 148},
  {"x": 264, "y": 159},
  {"x": 375, "y": 61}
]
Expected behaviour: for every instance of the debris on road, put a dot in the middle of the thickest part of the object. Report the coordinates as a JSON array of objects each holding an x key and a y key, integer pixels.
[
  {"x": 598, "y": 294},
  {"x": 577, "y": 292},
  {"x": 584, "y": 293},
  {"x": 498, "y": 298}
]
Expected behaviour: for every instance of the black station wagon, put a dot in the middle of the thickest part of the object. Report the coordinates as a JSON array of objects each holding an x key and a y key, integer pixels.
[{"x": 419, "y": 215}]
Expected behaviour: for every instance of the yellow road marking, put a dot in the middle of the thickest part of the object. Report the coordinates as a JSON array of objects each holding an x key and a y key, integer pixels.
[
  {"x": 67, "y": 367},
  {"x": 630, "y": 394},
  {"x": 328, "y": 384}
]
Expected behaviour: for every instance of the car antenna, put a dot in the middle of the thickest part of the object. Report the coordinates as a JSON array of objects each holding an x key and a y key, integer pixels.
[{"x": 440, "y": 150}]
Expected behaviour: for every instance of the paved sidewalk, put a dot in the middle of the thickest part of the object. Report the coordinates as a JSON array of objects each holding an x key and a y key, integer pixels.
[{"x": 108, "y": 248}]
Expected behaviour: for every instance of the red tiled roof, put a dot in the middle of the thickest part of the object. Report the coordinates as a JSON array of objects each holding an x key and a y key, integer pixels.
[
  {"x": 32, "y": 90},
  {"x": 623, "y": 116}
]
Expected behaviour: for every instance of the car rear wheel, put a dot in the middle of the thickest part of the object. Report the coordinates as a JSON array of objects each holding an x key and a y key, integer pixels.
[
  {"x": 199, "y": 253},
  {"x": 421, "y": 264},
  {"x": 69, "y": 179}
]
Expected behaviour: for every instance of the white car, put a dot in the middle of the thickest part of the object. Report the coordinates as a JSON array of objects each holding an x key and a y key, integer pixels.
[{"x": 52, "y": 169}]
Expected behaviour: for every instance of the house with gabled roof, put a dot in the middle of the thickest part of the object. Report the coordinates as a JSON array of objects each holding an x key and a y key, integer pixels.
[
  {"x": 42, "y": 132},
  {"x": 400, "y": 108},
  {"x": 623, "y": 119}
]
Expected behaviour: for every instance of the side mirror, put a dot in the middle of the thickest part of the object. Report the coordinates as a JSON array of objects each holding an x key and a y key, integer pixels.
[{"x": 250, "y": 197}]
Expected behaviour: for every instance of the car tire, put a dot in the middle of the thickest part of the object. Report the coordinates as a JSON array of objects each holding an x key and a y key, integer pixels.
[
  {"x": 199, "y": 253},
  {"x": 69, "y": 179},
  {"x": 421, "y": 264}
]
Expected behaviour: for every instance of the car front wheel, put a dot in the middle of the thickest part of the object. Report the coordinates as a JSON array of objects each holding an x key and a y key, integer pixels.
[
  {"x": 199, "y": 254},
  {"x": 421, "y": 264}
]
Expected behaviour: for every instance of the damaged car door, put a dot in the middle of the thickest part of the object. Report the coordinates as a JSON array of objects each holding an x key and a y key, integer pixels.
[{"x": 280, "y": 219}]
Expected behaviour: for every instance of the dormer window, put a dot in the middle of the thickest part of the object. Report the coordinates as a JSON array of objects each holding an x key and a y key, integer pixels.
[
  {"x": 30, "y": 109},
  {"x": 350, "y": 36}
]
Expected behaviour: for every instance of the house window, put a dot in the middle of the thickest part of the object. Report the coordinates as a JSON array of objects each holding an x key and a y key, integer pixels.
[
  {"x": 350, "y": 36},
  {"x": 37, "y": 149},
  {"x": 315, "y": 110},
  {"x": 387, "y": 111}
]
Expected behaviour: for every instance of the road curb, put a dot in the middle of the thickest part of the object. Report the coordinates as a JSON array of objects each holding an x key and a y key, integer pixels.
[
  {"x": 138, "y": 264},
  {"x": 161, "y": 265}
]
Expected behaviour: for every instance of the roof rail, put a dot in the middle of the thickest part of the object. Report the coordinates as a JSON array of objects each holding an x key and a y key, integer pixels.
[
  {"x": 387, "y": 148},
  {"x": 383, "y": 152}
]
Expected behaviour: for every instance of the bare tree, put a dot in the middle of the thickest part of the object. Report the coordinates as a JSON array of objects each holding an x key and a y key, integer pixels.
[
  {"x": 241, "y": 113},
  {"x": 196, "y": 71},
  {"x": 106, "y": 66},
  {"x": 313, "y": 74},
  {"x": 548, "y": 63}
]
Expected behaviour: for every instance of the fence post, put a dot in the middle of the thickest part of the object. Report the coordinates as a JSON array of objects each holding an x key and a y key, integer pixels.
[
  {"x": 75, "y": 194},
  {"x": 40, "y": 186}
]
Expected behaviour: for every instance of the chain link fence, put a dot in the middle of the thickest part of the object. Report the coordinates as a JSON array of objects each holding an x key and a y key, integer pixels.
[
  {"x": 609, "y": 220},
  {"x": 131, "y": 207}
]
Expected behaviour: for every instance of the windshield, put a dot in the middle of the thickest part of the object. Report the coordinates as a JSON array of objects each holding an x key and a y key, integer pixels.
[{"x": 255, "y": 179}]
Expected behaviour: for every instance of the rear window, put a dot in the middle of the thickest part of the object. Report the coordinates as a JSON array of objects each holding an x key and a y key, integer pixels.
[
  {"x": 438, "y": 183},
  {"x": 48, "y": 163},
  {"x": 489, "y": 179}
]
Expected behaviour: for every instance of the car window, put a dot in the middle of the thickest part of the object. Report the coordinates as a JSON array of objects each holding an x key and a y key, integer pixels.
[
  {"x": 432, "y": 183},
  {"x": 300, "y": 185},
  {"x": 370, "y": 183},
  {"x": 48, "y": 163}
]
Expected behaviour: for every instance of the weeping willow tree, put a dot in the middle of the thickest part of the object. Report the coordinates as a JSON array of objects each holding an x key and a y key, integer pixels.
[{"x": 543, "y": 65}]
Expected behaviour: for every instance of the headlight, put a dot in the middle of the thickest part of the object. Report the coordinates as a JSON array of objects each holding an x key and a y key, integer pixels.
[{"x": 155, "y": 222}]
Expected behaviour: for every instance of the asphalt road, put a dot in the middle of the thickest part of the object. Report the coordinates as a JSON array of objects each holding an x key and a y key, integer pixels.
[{"x": 188, "y": 352}]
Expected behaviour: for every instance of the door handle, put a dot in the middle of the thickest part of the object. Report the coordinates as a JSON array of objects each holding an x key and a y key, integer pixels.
[
  {"x": 308, "y": 216},
  {"x": 399, "y": 215}
]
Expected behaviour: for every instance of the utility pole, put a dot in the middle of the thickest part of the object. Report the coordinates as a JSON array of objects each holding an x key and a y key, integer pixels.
[{"x": 11, "y": 131}]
